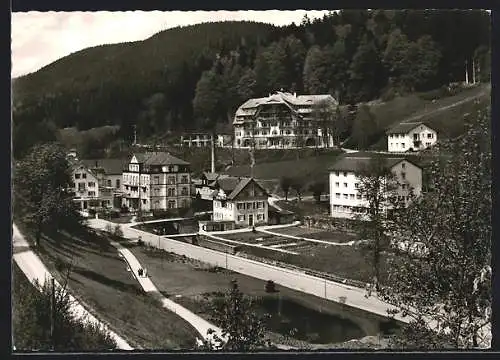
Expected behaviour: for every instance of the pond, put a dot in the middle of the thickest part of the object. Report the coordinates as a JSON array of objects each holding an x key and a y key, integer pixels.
[{"x": 290, "y": 318}]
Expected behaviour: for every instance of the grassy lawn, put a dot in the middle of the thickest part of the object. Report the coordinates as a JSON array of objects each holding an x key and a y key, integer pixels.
[
  {"x": 344, "y": 261},
  {"x": 310, "y": 168},
  {"x": 99, "y": 278},
  {"x": 190, "y": 283},
  {"x": 448, "y": 122},
  {"x": 334, "y": 236}
]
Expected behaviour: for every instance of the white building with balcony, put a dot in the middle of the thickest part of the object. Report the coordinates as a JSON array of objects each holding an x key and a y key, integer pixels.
[
  {"x": 285, "y": 120},
  {"x": 240, "y": 200},
  {"x": 347, "y": 202},
  {"x": 156, "y": 181},
  {"x": 411, "y": 136}
]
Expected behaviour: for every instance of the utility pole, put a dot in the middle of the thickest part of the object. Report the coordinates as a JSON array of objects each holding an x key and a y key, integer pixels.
[
  {"x": 473, "y": 71},
  {"x": 466, "y": 73},
  {"x": 226, "y": 259},
  {"x": 135, "y": 134},
  {"x": 53, "y": 314}
]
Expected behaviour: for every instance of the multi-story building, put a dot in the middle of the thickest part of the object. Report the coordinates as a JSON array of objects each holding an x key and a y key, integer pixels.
[
  {"x": 347, "y": 202},
  {"x": 240, "y": 200},
  {"x": 109, "y": 175},
  {"x": 285, "y": 120},
  {"x": 156, "y": 181},
  {"x": 87, "y": 192},
  {"x": 411, "y": 136}
]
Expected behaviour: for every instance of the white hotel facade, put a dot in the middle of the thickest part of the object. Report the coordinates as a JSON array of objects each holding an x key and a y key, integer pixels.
[{"x": 281, "y": 120}]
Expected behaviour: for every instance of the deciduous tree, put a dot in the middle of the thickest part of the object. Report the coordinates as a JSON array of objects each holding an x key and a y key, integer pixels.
[
  {"x": 377, "y": 186},
  {"x": 42, "y": 190},
  {"x": 447, "y": 285},
  {"x": 242, "y": 328}
]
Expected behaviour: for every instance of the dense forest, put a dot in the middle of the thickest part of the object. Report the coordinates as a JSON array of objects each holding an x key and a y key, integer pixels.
[{"x": 195, "y": 77}]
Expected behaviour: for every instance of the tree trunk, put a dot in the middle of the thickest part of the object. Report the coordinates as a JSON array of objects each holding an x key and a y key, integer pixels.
[{"x": 38, "y": 235}]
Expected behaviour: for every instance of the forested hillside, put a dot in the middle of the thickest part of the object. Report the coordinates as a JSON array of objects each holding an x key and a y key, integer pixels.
[{"x": 195, "y": 77}]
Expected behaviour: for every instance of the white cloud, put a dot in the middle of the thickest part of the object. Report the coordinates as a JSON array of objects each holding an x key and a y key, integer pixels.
[{"x": 39, "y": 38}]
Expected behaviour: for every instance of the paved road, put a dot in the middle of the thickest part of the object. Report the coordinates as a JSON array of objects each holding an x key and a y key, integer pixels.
[
  {"x": 200, "y": 324},
  {"x": 293, "y": 279},
  {"x": 31, "y": 265}
]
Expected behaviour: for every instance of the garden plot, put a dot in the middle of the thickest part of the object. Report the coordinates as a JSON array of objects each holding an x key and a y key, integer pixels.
[{"x": 317, "y": 234}]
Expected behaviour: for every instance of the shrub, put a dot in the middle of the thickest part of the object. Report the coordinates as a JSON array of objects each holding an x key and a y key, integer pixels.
[
  {"x": 270, "y": 286},
  {"x": 118, "y": 231}
]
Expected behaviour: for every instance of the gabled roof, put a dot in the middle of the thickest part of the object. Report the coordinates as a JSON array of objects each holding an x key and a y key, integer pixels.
[
  {"x": 273, "y": 208},
  {"x": 405, "y": 127},
  {"x": 249, "y": 107},
  {"x": 356, "y": 162},
  {"x": 234, "y": 185},
  {"x": 158, "y": 158},
  {"x": 209, "y": 176},
  {"x": 109, "y": 166}
]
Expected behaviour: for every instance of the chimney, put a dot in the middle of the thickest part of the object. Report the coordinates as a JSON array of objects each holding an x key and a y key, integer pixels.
[
  {"x": 294, "y": 94},
  {"x": 96, "y": 164},
  {"x": 212, "y": 148}
]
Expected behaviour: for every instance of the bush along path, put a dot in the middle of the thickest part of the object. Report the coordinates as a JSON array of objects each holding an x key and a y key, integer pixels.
[{"x": 36, "y": 272}]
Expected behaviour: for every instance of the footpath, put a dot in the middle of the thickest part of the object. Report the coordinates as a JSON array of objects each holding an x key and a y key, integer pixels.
[
  {"x": 31, "y": 265},
  {"x": 200, "y": 324}
]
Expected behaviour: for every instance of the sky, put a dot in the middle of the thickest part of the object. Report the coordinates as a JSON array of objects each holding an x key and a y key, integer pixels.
[{"x": 39, "y": 38}]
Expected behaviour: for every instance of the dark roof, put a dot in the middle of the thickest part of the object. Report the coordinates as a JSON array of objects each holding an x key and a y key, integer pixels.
[
  {"x": 228, "y": 184},
  {"x": 404, "y": 127},
  {"x": 210, "y": 176},
  {"x": 233, "y": 185},
  {"x": 159, "y": 158},
  {"x": 273, "y": 208},
  {"x": 356, "y": 162},
  {"x": 109, "y": 166}
]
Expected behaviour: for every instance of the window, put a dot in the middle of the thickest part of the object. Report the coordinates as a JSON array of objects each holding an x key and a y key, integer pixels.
[
  {"x": 91, "y": 193},
  {"x": 260, "y": 205},
  {"x": 171, "y": 204},
  {"x": 184, "y": 191},
  {"x": 403, "y": 145},
  {"x": 351, "y": 196},
  {"x": 336, "y": 173},
  {"x": 171, "y": 180},
  {"x": 260, "y": 217},
  {"x": 156, "y": 180},
  {"x": 345, "y": 185},
  {"x": 403, "y": 186},
  {"x": 240, "y": 206},
  {"x": 356, "y": 185},
  {"x": 249, "y": 205},
  {"x": 358, "y": 196},
  {"x": 403, "y": 175},
  {"x": 77, "y": 176},
  {"x": 81, "y": 186},
  {"x": 345, "y": 173},
  {"x": 117, "y": 183},
  {"x": 427, "y": 144},
  {"x": 91, "y": 184},
  {"x": 346, "y": 196},
  {"x": 170, "y": 192},
  {"x": 184, "y": 179},
  {"x": 337, "y": 195},
  {"x": 336, "y": 184},
  {"x": 156, "y": 191},
  {"x": 403, "y": 165},
  {"x": 109, "y": 183},
  {"x": 84, "y": 176},
  {"x": 430, "y": 135},
  {"x": 241, "y": 217}
]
